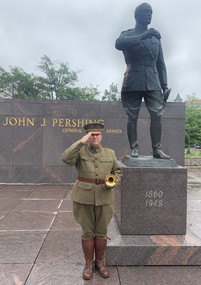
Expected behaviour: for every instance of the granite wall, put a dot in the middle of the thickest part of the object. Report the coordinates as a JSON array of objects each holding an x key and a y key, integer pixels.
[{"x": 34, "y": 133}]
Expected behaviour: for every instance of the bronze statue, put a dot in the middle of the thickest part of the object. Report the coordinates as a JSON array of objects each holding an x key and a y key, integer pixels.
[{"x": 145, "y": 77}]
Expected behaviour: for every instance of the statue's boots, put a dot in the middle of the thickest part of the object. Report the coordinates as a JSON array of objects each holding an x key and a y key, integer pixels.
[
  {"x": 158, "y": 153},
  {"x": 155, "y": 131},
  {"x": 88, "y": 249},
  {"x": 134, "y": 151},
  {"x": 100, "y": 246},
  {"x": 132, "y": 138}
]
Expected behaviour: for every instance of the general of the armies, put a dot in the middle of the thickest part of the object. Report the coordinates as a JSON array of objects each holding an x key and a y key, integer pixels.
[{"x": 145, "y": 77}]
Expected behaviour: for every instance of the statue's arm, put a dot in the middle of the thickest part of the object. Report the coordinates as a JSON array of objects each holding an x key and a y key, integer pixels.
[
  {"x": 161, "y": 67},
  {"x": 127, "y": 39}
]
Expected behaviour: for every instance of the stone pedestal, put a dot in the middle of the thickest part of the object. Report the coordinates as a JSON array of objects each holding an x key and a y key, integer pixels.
[
  {"x": 151, "y": 215},
  {"x": 150, "y": 212},
  {"x": 152, "y": 199},
  {"x": 152, "y": 249}
]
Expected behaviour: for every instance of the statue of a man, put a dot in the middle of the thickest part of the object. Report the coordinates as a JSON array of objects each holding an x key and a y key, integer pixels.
[{"x": 145, "y": 77}]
